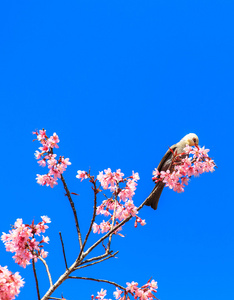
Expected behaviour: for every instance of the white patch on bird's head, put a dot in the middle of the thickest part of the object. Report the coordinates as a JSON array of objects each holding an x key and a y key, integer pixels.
[{"x": 191, "y": 139}]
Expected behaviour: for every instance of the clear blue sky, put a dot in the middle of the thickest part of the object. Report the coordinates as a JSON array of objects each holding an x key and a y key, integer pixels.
[{"x": 119, "y": 82}]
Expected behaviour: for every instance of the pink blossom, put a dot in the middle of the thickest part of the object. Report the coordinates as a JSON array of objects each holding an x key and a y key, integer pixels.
[
  {"x": 45, "y": 239},
  {"x": 117, "y": 293},
  {"x": 156, "y": 173},
  {"x": 42, "y": 162},
  {"x": 81, "y": 175},
  {"x": 53, "y": 141},
  {"x": 118, "y": 175},
  {"x": 10, "y": 284},
  {"x": 195, "y": 165},
  {"x": 38, "y": 154},
  {"x": 132, "y": 287},
  {"x": 41, "y": 135},
  {"x": 123, "y": 190},
  {"x": 43, "y": 253},
  {"x": 141, "y": 293},
  {"x": 65, "y": 161},
  {"x": 46, "y": 219},
  {"x": 153, "y": 284},
  {"x": 46, "y": 156},
  {"x": 101, "y": 294},
  {"x": 96, "y": 228},
  {"x": 110, "y": 179},
  {"x": 21, "y": 240},
  {"x": 139, "y": 220},
  {"x": 102, "y": 211},
  {"x": 46, "y": 180},
  {"x": 104, "y": 226},
  {"x": 135, "y": 176}
]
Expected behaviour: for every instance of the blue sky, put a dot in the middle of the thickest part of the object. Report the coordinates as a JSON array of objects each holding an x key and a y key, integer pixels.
[{"x": 119, "y": 82}]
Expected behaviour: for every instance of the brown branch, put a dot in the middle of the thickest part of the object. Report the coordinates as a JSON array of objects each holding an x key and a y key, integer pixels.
[
  {"x": 73, "y": 209},
  {"x": 95, "y": 190},
  {"x": 35, "y": 275},
  {"x": 65, "y": 260},
  {"x": 61, "y": 279},
  {"x": 98, "y": 280},
  {"x": 97, "y": 262},
  {"x": 95, "y": 258},
  {"x": 112, "y": 225},
  {"x": 47, "y": 270}
]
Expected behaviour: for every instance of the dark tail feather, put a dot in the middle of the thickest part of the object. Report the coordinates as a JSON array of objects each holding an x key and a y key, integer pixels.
[{"x": 155, "y": 195}]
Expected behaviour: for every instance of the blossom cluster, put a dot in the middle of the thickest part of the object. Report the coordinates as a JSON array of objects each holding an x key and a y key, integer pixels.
[
  {"x": 10, "y": 284},
  {"x": 21, "y": 240},
  {"x": 120, "y": 205},
  {"x": 142, "y": 293},
  {"x": 193, "y": 162},
  {"x": 46, "y": 157}
]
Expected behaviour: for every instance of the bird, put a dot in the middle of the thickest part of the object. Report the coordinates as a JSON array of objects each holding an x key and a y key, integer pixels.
[{"x": 165, "y": 164}]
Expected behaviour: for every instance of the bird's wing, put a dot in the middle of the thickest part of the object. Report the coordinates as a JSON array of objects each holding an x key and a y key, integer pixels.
[{"x": 166, "y": 160}]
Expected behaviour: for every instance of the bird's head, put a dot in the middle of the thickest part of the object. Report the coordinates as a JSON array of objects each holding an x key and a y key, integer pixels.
[{"x": 191, "y": 139}]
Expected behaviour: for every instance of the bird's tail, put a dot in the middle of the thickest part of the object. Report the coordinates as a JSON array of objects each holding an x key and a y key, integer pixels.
[{"x": 155, "y": 195}]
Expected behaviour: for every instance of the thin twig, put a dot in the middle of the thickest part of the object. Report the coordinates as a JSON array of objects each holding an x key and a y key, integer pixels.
[
  {"x": 55, "y": 298},
  {"x": 65, "y": 260},
  {"x": 73, "y": 209},
  {"x": 97, "y": 262},
  {"x": 95, "y": 258},
  {"x": 98, "y": 280},
  {"x": 112, "y": 225},
  {"x": 95, "y": 190},
  {"x": 35, "y": 275},
  {"x": 47, "y": 270}
]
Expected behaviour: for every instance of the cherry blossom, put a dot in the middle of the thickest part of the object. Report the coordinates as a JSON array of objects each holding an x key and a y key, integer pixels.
[
  {"x": 46, "y": 157},
  {"x": 120, "y": 205},
  {"x": 21, "y": 240},
  {"x": 81, "y": 175},
  {"x": 194, "y": 165},
  {"x": 146, "y": 292},
  {"x": 10, "y": 284}
]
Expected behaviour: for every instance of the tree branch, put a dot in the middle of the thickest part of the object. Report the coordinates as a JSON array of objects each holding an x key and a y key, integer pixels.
[
  {"x": 97, "y": 262},
  {"x": 112, "y": 225},
  {"x": 98, "y": 280},
  {"x": 73, "y": 209},
  {"x": 35, "y": 275},
  {"x": 47, "y": 270},
  {"x": 65, "y": 260},
  {"x": 95, "y": 190}
]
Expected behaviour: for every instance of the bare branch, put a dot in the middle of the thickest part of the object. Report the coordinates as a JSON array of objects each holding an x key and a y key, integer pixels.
[
  {"x": 35, "y": 275},
  {"x": 112, "y": 225},
  {"x": 61, "y": 279},
  {"x": 98, "y": 280},
  {"x": 73, "y": 209},
  {"x": 47, "y": 270},
  {"x": 97, "y": 262},
  {"x": 65, "y": 260},
  {"x": 96, "y": 258},
  {"x": 95, "y": 190}
]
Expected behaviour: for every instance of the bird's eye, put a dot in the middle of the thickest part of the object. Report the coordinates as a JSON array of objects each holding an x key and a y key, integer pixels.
[{"x": 195, "y": 140}]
